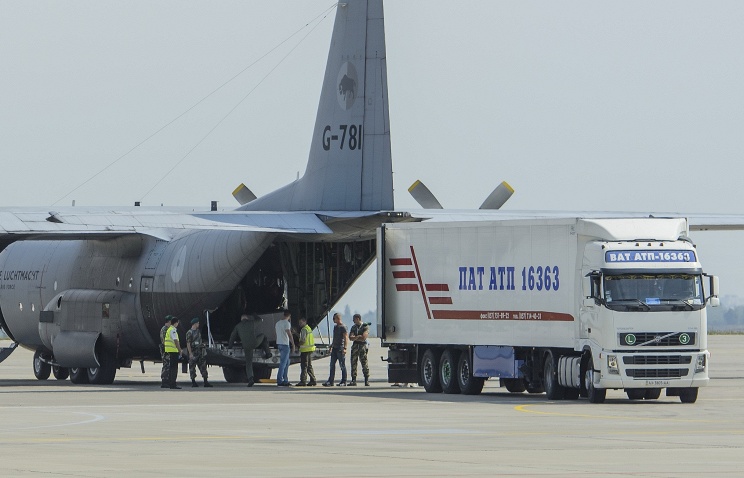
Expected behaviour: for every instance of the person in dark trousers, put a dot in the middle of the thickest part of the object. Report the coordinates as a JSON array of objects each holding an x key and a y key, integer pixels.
[
  {"x": 163, "y": 356},
  {"x": 307, "y": 347},
  {"x": 197, "y": 354},
  {"x": 358, "y": 335},
  {"x": 173, "y": 348},
  {"x": 246, "y": 332},
  {"x": 338, "y": 351}
]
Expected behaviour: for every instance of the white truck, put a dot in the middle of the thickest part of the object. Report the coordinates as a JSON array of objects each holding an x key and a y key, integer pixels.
[{"x": 566, "y": 306}]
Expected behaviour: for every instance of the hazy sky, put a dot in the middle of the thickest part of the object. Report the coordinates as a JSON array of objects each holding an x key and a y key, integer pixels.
[{"x": 630, "y": 105}]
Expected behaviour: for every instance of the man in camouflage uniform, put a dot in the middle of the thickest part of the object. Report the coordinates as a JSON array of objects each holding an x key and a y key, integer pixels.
[
  {"x": 358, "y": 336},
  {"x": 246, "y": 332},
  {"x": 164, "y": 356},
  {"x": 197, "y": 353}
]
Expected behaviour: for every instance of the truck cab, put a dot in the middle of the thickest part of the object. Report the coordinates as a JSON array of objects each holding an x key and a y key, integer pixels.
[{"x": 643, "y": 319}]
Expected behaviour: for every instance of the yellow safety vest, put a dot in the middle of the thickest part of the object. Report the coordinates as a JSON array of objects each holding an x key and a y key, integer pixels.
[
  {"x": 309, "y": 345},
  {"x": 170, "y": 345}
]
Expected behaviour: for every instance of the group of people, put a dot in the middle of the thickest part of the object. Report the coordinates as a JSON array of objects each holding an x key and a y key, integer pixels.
[{"x": 171, "y": 351}]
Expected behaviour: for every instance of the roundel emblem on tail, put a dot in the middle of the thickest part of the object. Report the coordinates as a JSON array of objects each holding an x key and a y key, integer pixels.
[{"x": 348, "y": 85}]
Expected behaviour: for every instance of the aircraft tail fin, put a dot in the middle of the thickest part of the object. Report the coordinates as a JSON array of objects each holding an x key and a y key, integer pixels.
[{"x": 350, "y": 164}]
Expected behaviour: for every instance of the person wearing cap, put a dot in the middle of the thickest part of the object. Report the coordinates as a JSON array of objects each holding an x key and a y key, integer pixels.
[
  {"x": 197, "y": 353},
  {"x": 173, "y": 349},
  {"x": 163, "y": 356}
]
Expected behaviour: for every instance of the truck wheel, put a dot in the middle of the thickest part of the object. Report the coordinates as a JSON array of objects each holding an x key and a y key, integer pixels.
[
  {"x": 688, "y": 395},
  {"x": 514, "y": 385},
  {"x": 652, "y": 393},
  {"x": 60, "y": 373},
  {"x": 78, "y": 375},
  {"x": 430, "y": 372},
  {"x": 41, "y": 368},
  {"x": 448, "y": 372},
  {"x": 550, "y": 379},
  {"x": 469, "y": 385},
  {"x": 635, "y": 393},
  {"x": 234, "y": 374},
  {"x": 595, "y": 395}
]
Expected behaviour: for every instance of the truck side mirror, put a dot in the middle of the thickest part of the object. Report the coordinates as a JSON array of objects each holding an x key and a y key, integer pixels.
[
  {"x": 589, "y": 302},
  {"x": 714, "y": 300}
]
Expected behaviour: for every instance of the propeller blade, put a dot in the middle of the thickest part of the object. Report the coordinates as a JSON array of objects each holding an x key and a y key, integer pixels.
[
  {"x": 498, "y": 196},
  {"x": 243, "y": 195},
  {"x": 423, "y": 196}
]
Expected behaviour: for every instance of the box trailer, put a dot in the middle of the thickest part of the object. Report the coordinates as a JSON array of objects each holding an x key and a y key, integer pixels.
[{"x": 565, "y": 306}]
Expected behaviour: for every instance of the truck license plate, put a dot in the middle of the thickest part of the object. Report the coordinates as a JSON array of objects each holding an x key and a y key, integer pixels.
[{"x": 657, "y": 383}]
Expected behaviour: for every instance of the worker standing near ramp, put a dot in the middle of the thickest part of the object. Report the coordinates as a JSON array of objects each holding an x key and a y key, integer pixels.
[
  {"x": 197, "y": 354},
  {"x": 246, "y": 331},
  {"x": 307, "y": 347}
]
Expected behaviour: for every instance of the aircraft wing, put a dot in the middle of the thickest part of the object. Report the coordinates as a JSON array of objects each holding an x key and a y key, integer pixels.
[
  {"x": 163, "y": 224},
  {"x": 696, "y": 221}
]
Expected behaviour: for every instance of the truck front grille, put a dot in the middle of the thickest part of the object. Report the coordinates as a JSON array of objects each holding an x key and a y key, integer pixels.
[
  {"x": 657, "y": 360},
  {"x": 657, "y": 339},
  {"x": 657, "y": 372}
]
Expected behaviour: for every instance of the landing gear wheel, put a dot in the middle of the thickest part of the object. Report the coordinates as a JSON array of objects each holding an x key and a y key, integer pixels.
[
  {"x": 553, "y": 390},
  {"x": 60, "y": 373},
  {"x": 635, "y": 393},
  {"x": 595, "y": 395},
  {"x": 261, "y": 372},
  {"x": 448, "y": 371},
  {"x": 234, "y": 374},
  {"x": 688, "y": 395},
  {"x": 41, "y": 368},
  {"x": 105, "y": 374},
  {"x": 469, "y": 385},
  {"x": 514, "y": 385},
  {"x": 78, "y": 375},
  {"x": 652, "y": 393},
  {"x": 430, "y": 372}
]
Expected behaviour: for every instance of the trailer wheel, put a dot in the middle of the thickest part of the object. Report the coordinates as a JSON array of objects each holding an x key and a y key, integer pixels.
[
  {"x": 652, "y": 393},
  {"x": 78, "y": 375},
  {"x": 41, "y": 368},
  {"x": 469, "y": 385},
  {"x": 430, "y": 372},
  {"x": 635, "y": 393},
  {"x": 553, "y": 389},
  {"x": 514, "y": 385},
  {"x": 688, "y": 395},
  {"x": 60, "y": 373},
  {"x": 595, "y": 395},
  {"x": 448, "y": 372}
]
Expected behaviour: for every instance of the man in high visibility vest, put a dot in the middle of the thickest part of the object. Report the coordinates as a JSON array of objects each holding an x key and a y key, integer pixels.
[
  {"x": 307, "y": 347},
  {"x": 172, "y": 348}
]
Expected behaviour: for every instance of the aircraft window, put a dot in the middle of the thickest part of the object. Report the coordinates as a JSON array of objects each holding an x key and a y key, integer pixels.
[
  {"x": 105, "y": 310},
  {"x": 55, "y": 286},
  {"x": 33, "y": 307},
  {"x": 118, "y": 281},
  {"x": 20, "y": 306}
]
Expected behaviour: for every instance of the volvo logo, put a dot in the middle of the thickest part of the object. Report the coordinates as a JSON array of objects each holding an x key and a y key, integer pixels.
[{"x": 657, "y": 339}]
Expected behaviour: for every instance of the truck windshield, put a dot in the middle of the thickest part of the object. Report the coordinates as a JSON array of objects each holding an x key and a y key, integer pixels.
[{"x": 653, "y": 292}]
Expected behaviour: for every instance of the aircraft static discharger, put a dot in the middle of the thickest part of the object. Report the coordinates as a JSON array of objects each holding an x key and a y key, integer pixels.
[{"x": 88, "y": 290}]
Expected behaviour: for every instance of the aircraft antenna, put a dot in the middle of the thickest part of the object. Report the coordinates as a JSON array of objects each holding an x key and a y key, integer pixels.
[
  {"x": 236, "y": 105},
  {"x": 322, "y": 16}
]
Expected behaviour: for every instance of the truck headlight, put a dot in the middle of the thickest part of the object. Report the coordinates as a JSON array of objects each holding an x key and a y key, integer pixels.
[
  {"x": 612, "y": 364},
  {"x": 700, "y": 363}
]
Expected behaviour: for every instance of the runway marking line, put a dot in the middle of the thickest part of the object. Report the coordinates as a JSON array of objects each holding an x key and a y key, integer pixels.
[{"x": 523, "y": 409}]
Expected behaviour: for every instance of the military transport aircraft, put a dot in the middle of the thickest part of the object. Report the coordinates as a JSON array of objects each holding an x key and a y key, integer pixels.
[{"x": 88, "y": 289}]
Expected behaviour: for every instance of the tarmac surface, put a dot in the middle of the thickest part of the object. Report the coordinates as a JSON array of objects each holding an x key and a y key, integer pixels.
[{"x": 135, "y": 428}]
